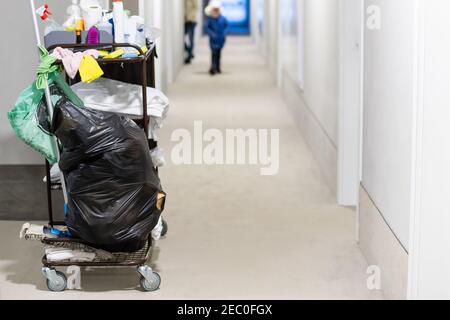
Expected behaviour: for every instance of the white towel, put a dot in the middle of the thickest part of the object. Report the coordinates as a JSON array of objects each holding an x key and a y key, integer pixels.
[
  {"x": 157, "y": 231},
  {"x": 61, "y": 254}
]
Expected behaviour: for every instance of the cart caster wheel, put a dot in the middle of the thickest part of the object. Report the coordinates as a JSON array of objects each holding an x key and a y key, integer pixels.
[
  {"x": 165, "y": 228},
  {"x": 57, "y": 283},
  {"x": 152, "y": 284}
]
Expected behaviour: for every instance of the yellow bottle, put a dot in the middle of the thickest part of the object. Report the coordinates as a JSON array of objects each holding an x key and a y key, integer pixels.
[{"x": 79, "y": 26}]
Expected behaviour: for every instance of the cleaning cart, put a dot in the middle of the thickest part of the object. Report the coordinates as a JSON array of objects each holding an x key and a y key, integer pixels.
[{"x": 56, "y": 280}]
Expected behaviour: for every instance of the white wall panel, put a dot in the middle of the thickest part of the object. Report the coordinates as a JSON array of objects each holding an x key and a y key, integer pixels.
[{"x": 388, "y": 112}]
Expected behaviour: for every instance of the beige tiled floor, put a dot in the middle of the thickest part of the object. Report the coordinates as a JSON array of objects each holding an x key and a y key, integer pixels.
[{"x": 233, "y": 233}]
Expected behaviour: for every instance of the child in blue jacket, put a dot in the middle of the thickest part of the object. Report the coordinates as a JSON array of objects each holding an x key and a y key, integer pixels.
[{"x": 216, "y": 28}]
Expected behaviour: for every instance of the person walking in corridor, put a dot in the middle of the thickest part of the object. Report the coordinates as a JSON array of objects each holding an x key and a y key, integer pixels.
[
  {"x": 190, "y": 23},
  {"x": 216, "y": 26}
]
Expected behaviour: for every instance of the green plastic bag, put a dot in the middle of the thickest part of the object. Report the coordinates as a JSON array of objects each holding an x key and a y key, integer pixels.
[{"x": 29, "y": 117}]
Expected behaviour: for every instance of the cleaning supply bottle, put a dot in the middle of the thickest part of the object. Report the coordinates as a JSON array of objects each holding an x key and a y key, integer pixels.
[
  {"x": 104, "y": 25},
  {"x": 136, "y": 31},
  {"x": 92, "y": 13},
  {"x": 50, "y": 25},
  {"x": 93, "y": 36},
  {"x": 74, "y": 14},
  {"x": 79, "y": 27},
  {"x": 140, "y": 29},
  {"x": 130, "y": 30},
  {"x": 119, "y": 21}
]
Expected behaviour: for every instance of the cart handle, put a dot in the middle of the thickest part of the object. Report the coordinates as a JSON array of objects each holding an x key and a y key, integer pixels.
[
  {"x": 140, "y": 58},
  {"x": 97, "y": 46}
]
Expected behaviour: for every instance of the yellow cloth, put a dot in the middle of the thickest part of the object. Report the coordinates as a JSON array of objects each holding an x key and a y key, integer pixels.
[
  {"x": 115, "y": 54},
  {"x": 89, "y": 69}
]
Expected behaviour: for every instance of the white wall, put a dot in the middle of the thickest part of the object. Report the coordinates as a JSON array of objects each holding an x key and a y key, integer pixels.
[
  {"x": 18, "y": 66},
  {"x": 257, "y": 16},
  {"x": 267, "y": 40},
  {"x": 289, "y": 37},
  {"x": 152, "y": 11},
  {"x": 388, "y": 114},
  {"x": 272, "y": 35},
  {"x": 322, "y": 62},
  {"x": 169, "y": 17},
  {"x": 175, "y": 25},
  {"x": 430, "y": 236},
  {"x": 406, "y": 135},
  {"x": 309, "y": 74},
  {"x": 314, "y": 50}
]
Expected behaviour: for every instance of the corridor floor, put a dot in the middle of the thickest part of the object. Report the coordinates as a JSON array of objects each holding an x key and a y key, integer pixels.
[{"x": 233, "y": 234}]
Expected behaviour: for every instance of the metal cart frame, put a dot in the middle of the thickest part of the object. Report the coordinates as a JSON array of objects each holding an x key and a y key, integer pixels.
[{"x": 56, "y": 280}]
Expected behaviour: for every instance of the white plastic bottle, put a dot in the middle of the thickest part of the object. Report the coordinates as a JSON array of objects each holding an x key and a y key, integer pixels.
[
  {"x": 91, "y": 12},
  {"x": 130, "y": 31},
  {"x": 140, "y": 30},
  {"x": 74, "y": 14},
  {"x": 119, "y": 21},
  {"x": 105, "y": 25}
]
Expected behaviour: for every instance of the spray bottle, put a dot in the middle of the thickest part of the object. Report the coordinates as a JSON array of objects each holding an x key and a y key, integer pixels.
[
  {"x": 74, "y": 13},
  {"x": 50, "y": 24}
]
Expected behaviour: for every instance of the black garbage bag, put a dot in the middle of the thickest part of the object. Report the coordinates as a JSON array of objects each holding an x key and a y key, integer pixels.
[{"x": 115, "y": 195}]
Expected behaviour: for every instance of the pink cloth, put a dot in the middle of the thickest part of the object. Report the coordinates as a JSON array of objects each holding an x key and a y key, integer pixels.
[{"x": 72, "y": 61}]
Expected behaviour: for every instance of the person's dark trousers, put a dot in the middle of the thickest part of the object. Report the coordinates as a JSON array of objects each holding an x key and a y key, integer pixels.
[
  {"x": 215, "y": 64},
  {"x": 189, "y": 31}
]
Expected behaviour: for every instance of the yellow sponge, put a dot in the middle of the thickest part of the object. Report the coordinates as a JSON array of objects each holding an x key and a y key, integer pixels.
[
  {"x": 115, "y": 54},
  {"x": 103, "y": 53}
]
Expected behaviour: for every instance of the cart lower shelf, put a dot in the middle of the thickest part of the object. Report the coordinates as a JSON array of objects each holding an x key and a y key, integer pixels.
[
  {"x": 57, "y": 281},
  {"x": 117, "y": 259}
]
